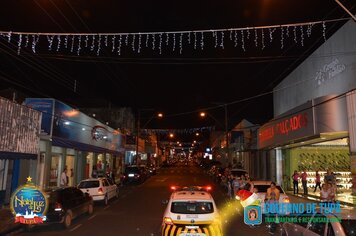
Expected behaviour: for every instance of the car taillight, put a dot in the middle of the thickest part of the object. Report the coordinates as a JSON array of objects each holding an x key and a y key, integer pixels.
[
  {"x": 137, "y": 176},
  {"x": 208, "y": 188},
  {"x": 174, "y": 188},
  {"x": 286, "y": 200},
  {"x": 168, "y": 221},
  {"x": 100, "y": 190},
  {"x": 57, "y": 206}
]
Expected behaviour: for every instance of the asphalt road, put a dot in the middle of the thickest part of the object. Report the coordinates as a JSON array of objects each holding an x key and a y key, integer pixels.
[{"x": 139, "y": 209}]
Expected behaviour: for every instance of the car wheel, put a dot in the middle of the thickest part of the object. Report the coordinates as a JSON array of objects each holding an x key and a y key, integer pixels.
[
  {"x": 106, "y": 200},
  {"x": 90, "y": 209},
  {"x": 67, "y": 220}
]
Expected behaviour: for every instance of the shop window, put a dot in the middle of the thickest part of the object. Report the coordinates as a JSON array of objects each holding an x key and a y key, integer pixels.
[
  {"x": 89, "y": 165},
  {"x": 55, "y": 170},
  {"x": 70, "y": 169}
]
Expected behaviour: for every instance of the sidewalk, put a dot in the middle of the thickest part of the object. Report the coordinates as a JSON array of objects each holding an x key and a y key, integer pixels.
[
  {"x": 316, "y": 197},
  {"x": 7, "y": 222}
]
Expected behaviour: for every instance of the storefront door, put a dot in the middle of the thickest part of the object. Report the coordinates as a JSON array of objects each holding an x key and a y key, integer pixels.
[
  {"x": 56, "y": 169},
  {"x": 70, "y": 170}
]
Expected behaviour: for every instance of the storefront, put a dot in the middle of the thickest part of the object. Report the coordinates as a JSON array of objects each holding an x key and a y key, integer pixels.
[
  {"x": 76, "y": 142},
  {"x": 315, "y": 116},
  {"x": 19, "y": 146},
  {"x": 312, "y": 137}
]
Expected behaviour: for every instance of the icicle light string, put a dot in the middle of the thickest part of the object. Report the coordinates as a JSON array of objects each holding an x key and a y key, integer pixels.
[
  {"x": 160, "y": 43},
  {"x": 119, "y": 47},
  {"x": 133, "y": 43},
  {"x": 218, "y": 36}
]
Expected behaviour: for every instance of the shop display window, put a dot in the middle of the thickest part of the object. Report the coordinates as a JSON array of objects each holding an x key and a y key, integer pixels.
[
  {"x": 335, "y": 158},
  {"x": 70, "y": 170},
  {"x": 55, "y": 170},
  {"x": 89, "y": 165}
]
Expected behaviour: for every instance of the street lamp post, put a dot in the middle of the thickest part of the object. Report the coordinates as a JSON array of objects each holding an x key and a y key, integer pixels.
[
  {"x": 159, "y": 115},
  {"x": 203, "y": 114}
]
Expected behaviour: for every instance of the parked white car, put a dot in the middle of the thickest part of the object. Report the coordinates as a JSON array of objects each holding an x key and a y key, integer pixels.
[{"x": 101, "y": 189}]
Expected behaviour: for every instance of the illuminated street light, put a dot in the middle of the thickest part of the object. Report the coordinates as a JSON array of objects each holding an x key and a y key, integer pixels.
[
  {"x": 177, "y": 142},
  {"x": 171, "y": 135},
  {"x": 160, "y": 115},
  {"x": 195, "y": 141},
  {"x": 196, "y": 134},
  {"x": 202, "y": 114}
]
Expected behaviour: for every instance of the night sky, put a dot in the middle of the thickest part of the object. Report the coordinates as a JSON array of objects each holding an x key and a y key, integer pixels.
[{"x": 179, "y": 85}]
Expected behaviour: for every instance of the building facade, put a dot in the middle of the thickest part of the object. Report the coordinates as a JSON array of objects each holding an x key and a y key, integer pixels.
[
  {"x": 76, "y": 142},
  {"x": 19, "y": 146},
  {"x": 314, "y": 108}
]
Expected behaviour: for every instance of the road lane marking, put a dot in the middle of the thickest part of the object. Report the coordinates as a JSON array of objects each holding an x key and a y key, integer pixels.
[
  {"x": 76, "y": 227},
  {"x": 106, "y": 207},
  {"x": 91, "y": 217}
]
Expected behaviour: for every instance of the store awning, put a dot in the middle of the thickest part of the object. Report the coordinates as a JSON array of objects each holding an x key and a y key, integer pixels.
[
  {"x": 60, "y": 142},
  {"x": 15, "y": 155}
]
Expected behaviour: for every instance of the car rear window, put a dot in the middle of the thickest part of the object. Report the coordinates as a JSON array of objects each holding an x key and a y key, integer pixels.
[
  {"x": 192, "y": 207},
  {"x": 89, "y": 184},
  {"x": 263, "y": 188},
  {"x": 52, "y": 196},
  {"x": 131, "y": 170}
]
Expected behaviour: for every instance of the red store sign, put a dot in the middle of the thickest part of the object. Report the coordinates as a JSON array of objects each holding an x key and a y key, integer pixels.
[{"x": 283, "y": 130}]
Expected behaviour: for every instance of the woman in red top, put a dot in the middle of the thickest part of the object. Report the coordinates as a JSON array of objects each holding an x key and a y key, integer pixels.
[
  {"x": 295, "y": 177},
  {"x": 317, "y": 181}
]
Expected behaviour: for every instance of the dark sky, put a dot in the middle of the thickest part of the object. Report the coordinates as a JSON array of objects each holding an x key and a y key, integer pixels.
[{"x": 171, "y": 82}]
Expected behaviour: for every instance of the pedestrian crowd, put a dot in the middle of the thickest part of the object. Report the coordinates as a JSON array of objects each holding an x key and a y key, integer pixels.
[
  {"x": 231, "y": 183},
  {"x": 327, "y": 188}
]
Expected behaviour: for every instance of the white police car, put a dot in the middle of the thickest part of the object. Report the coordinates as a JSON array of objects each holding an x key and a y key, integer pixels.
[{"x": 191, "y": 211}]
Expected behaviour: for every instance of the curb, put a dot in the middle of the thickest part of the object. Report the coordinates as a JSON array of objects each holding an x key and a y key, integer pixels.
[
  {"x": 12, "y": 230},
  {"x": 315, "y": 198}
]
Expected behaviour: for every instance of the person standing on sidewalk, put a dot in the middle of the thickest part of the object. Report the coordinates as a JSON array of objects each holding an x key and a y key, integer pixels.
[
  {"x": 304, "y": 182},
  {"x": 64, "y": 178},
  {"x": 295, "y": 178},
  {"x": 317, "y": 181}
]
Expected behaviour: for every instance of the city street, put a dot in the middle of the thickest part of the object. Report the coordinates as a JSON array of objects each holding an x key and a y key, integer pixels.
[{"x": 139, "y": 209}]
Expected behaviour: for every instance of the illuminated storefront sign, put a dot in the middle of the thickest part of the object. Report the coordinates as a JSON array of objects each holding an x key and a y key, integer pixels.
[
  {"x": 29, "y": 204},
  {"x": 280, "y": 131}
]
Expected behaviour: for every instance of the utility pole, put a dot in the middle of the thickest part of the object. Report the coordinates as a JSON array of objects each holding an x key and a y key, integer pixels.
[
  {"x": 138, "y": 134},
  {"x": 227, "y": 134}
]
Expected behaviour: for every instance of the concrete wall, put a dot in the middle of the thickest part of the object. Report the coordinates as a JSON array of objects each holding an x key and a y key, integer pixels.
[{"x": 331, "y": 69}]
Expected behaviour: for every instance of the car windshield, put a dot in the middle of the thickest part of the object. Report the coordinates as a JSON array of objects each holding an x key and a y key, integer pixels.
[
  {"x": 132, "y": 170},
  {"x": 89, "y": 184},
  {"x": 349, "y": 226},
  {"x": 263, "y": 188},
  {"x": 192, "y": 207}
]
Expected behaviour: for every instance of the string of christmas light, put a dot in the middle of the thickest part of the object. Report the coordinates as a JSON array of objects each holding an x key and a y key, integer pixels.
[
  {"x": 178, "y": 131},
  {"x": 236, "y": 35}
]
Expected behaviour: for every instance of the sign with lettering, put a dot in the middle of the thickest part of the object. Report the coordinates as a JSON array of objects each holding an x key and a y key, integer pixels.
[
  {"x": 29, "y": 204},
  {"x": 329, "y": 71},
  {"x": 290, "y": 127},
  {"x": 19, "y": 128}
]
